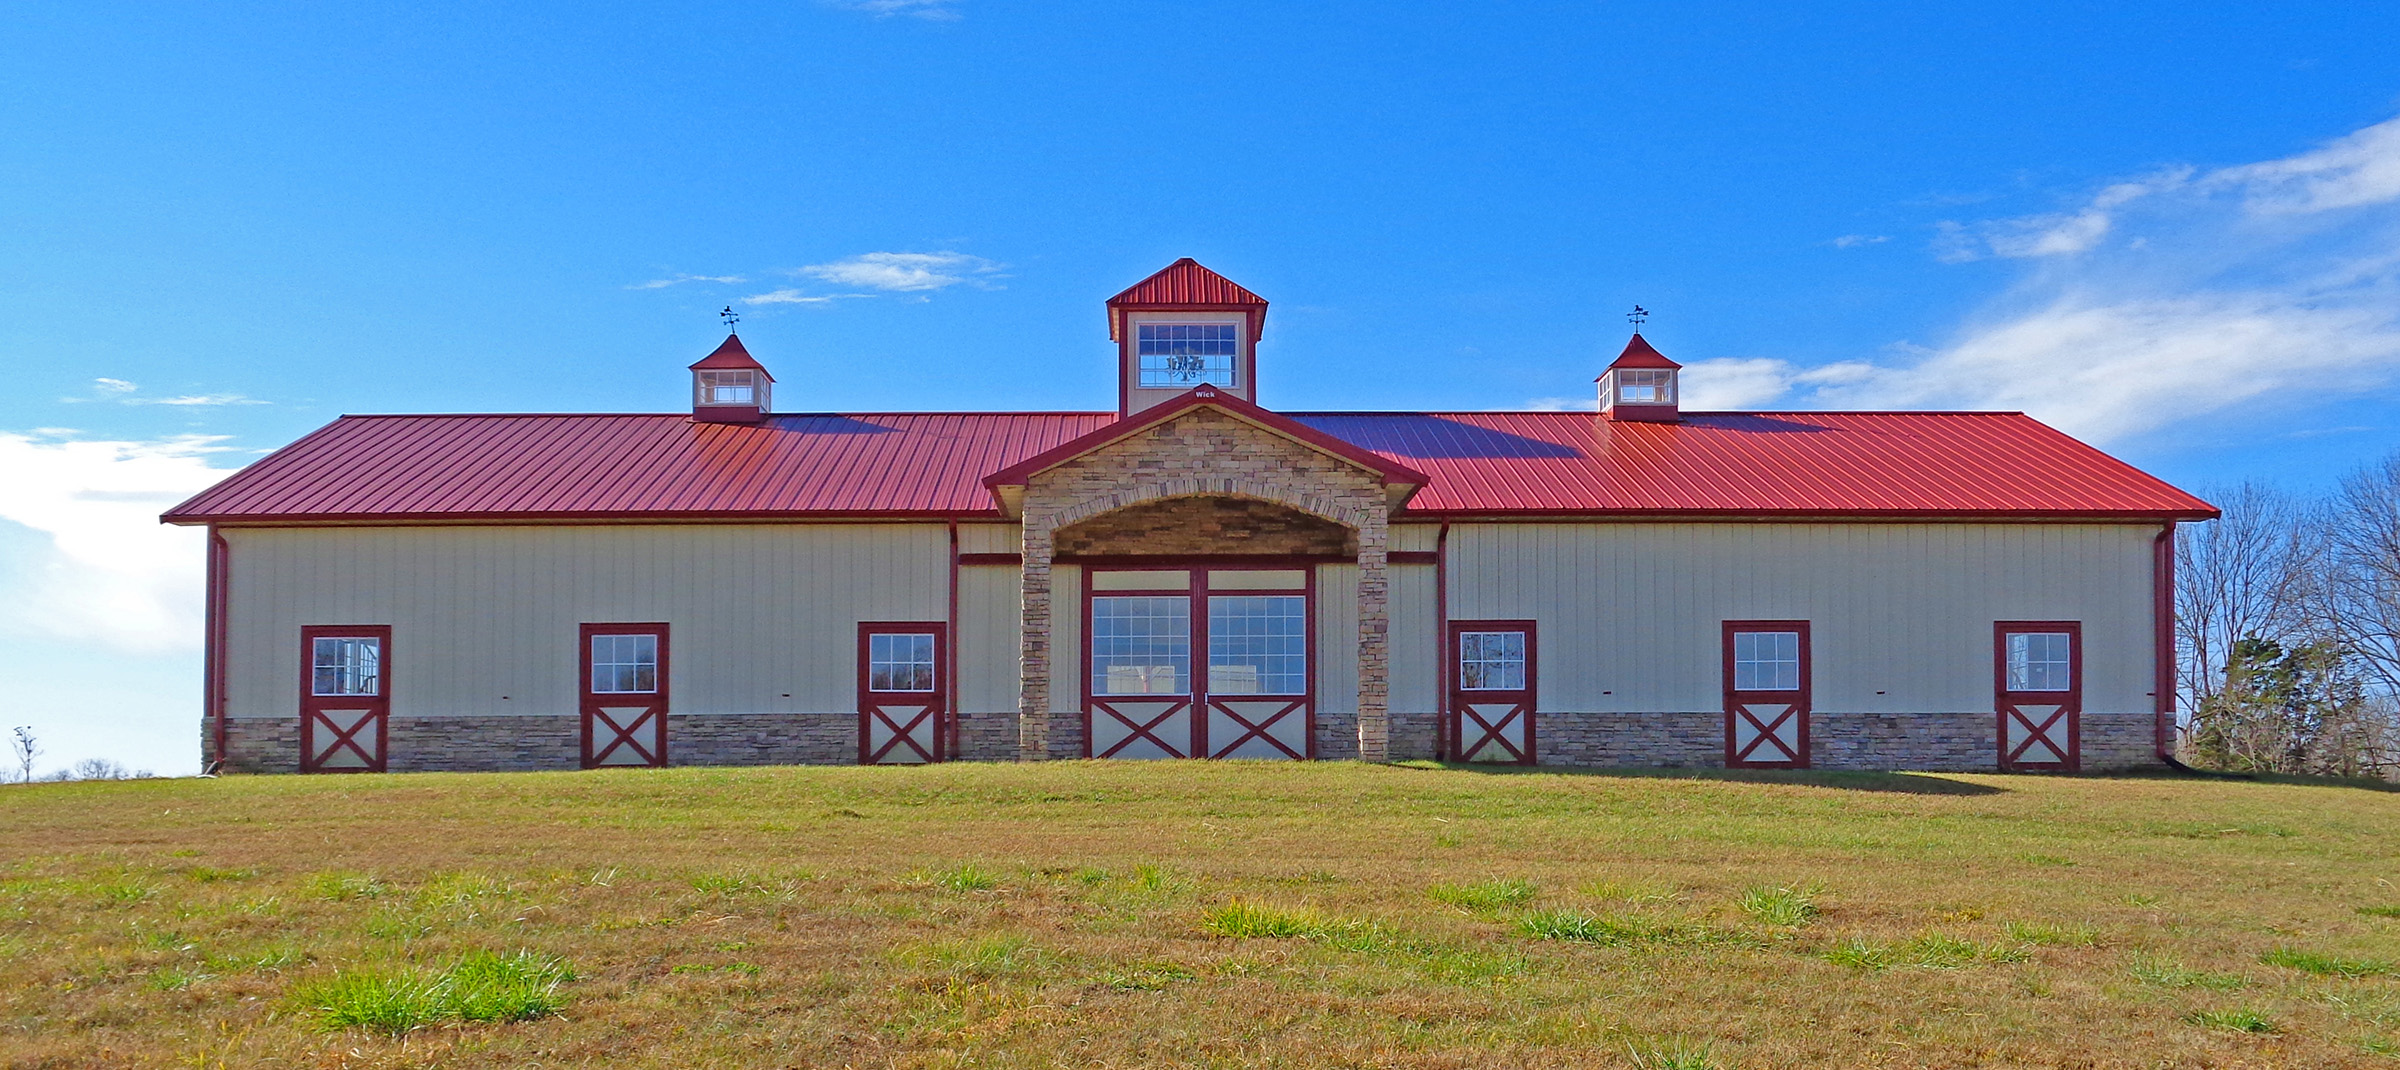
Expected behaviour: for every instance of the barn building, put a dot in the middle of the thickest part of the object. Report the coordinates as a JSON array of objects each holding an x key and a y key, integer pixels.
[{"x": 1189, "y": 575}]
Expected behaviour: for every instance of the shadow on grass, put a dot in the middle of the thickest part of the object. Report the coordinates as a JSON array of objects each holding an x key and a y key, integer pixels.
[
  {"x": 1900, "y": 783},
  {"x": 2290, "y": 779}
]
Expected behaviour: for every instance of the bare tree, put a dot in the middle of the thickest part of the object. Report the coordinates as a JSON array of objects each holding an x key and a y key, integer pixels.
[
  {"x": 2246, "y": 575},
  {"x": 2359, "y": 599},
  {"x": 26, "y": 750}
]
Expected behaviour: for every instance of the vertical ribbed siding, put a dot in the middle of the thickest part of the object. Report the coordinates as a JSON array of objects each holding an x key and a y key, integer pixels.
[
  {"x": 1066, "y": 639},
  {"x": 1629, "y": 614},
  {"x": 1416, "y": 667},
  {"x": 990, "y": 623},
  {"x": 1336, "y": 639},
  {"x": 477, "y": 613}
]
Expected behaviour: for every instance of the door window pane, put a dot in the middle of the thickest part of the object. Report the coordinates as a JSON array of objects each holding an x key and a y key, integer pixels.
[
  {"x": 2040, "y": 661},
  {"x": 1491, "y": 661},
  {"x": 340, "y": 666},
  {"x": 1142, "y": 645},
  {"x": 1766, "y": 661},
  {"x": 900, "y": 661},
  {"x": 624, "y": 664},
  {"x": 1257, "y": 644}
]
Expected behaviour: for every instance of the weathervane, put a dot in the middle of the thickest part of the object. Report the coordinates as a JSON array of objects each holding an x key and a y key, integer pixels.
[
  {"x": 730, "y": 317},
  {"x": 1637, "y": 317}
]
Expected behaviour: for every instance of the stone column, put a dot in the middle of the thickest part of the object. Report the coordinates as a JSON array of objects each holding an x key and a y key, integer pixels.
[
  {"x": 1374, "y": 639},
  {"x": 1033, "y": 655}
]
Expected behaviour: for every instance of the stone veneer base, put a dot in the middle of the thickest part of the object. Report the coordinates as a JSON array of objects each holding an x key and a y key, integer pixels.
[{"x": 1949, "y": 742}]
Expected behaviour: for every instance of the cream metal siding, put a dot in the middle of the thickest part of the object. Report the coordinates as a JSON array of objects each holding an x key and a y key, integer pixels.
[
  {"x": 1901, "y": 615},
  {"x": 764, "y": 617},
  {"x": 1414, "y": 538},
  {"x": 990, "y": 538},
  {"x": 1416, "y": 657},
  {"x": 1336, "y": 641},
  {"x": 991, "y": 621},
  {"x": 1066, "y": 639}
]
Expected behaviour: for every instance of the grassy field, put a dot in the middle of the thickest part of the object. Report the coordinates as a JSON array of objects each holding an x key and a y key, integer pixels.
[{"x": 1198, "y": 914}]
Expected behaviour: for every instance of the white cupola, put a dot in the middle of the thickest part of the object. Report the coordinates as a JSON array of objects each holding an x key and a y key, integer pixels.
[
  {"x": 1640, "y": 385},
  {"x": 730, "y": 387}
]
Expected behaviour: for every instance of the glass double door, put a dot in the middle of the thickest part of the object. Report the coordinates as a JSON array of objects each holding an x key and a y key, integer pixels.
[{"x": 1201, "y": 662}]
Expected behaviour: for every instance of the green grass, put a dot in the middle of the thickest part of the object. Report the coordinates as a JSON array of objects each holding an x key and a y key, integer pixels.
[
  {"x": 480, "y": 987},
  {"x": 1780, "y": 905},
  {"x": 1495, "y": 894},
  {"x": 1195, "y": 914},
  {"x": 2234, "y": 1021},
  {"x": 2325, "y": 965},
  {"x": 2389, "y": 910},
  {"x": 1244, "y": 919}
]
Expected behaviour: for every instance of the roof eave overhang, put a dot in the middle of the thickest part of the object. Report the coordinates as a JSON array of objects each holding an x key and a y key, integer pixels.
[{"x": 1399, "y": 481}]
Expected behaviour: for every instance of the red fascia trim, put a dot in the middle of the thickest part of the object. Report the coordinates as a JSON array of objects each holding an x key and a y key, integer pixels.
[
  {"x": 1412, "y": 557},
  {"x": 991, "y": 559},
  {"x": 212, "y": 663},
  {"x": 2162, "y": 623},
  {"x": 1391, "y": 471}
]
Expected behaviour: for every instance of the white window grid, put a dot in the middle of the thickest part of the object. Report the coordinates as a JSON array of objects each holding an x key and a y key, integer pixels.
[
  {"x": 342, "y": 665},
  {"x": 2041, "y": 661},
  {"x": 900, "y": 661},
  {"x": 625, "y": 664},
  {"x": 1766, "y": 661},
  {"x": 1258, "y": 644},
  {"x": 728, "y": 388},
  {"x": 1142, "y": 645},
  {"x": 1645, "y": 386},
  {"x": 1169, "y": 355},
  {"x": 1491, "y": 661}
]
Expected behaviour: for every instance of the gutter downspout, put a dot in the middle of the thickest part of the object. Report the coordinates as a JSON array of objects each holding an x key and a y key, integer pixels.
[
  {"x": 1441, "y": 643},
  {"x": 212, "y": 661},
  {"x": 2162, "y": 618},
  {"x": 950, "y": 645}
]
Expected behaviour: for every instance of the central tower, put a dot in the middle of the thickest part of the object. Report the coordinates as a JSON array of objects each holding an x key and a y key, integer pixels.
[{"x": 1180, "y": 328}]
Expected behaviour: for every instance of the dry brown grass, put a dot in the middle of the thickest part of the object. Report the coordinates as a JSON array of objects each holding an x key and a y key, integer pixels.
[{"x": 1059, "y": 915}]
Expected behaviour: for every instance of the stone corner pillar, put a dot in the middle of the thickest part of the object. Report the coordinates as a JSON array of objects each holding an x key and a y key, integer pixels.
[
  {"x": 1033, "y": 655},
  {"x": 1374, "y": 640}
]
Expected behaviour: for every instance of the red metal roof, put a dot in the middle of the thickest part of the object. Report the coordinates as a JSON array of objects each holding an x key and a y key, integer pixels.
[
  {"x": 731, "y": 354},
  {"x": 1385, "y": 468},
  {"x": 1639, "y": 354},
  {"x": 534, "y": 467},
  {"x": 1185, "y": 286}
]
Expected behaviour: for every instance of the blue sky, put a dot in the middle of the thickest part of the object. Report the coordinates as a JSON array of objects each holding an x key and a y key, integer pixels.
[{"x": 2172, "y": 229}]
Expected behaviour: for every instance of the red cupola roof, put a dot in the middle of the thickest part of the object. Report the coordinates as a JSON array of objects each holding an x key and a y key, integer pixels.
[
  {"x": 1638, "y": 354},
  {"x": 1185, "y": 286},
  {"x": 729, "y": 356}
]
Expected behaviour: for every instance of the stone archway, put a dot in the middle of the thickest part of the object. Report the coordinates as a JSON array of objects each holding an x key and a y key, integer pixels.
[
  {"x": 1203, "y": 525},
  {"x": 1207, "y": 454}
]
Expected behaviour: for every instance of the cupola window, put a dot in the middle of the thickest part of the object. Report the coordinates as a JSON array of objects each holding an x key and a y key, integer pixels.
[
  {"x": 1180, "y": 355},
  {"x": 1645, "y": 386},
  {"x": 727, "y": 388}
]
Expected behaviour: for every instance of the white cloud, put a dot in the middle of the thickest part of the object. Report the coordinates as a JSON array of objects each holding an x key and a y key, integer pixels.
[
  {"x": 2168, "y": 298},
  {"x": 790, "y": 296},
  {"x": 678, "y": 280},
  {"x": 111, "y": 573},
  {"x": 904, "y": 272},
  {"x": 929, "y": 10},
  {"x": 1853, "y": 241},
  {"x": 122, "y": 391}
]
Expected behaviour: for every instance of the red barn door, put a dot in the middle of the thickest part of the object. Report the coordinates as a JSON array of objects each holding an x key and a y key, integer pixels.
[
  {"x": 903, "y": 694},
  {"x": 2040, "y": 670},
  {"x": 1491, "y": 691},
  {"x": 345, "y": 698},
  {"x": 624, "y": 695},
  {"x": 1767, "y": 691}
]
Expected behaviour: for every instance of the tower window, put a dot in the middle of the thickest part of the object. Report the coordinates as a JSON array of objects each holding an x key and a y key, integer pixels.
[
  {"x": 727, "y": 388},
  {"x": 1645, "y": 386},
  {"x": 1178, "y": 355}
]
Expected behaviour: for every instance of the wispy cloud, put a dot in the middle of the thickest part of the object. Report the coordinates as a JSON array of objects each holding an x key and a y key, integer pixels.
[
  {"x": 678, "y": 280},
  {"x": 2159, "y": 299},
  {"x": 1853, "y": 241},
  {"x": 110, "y": 572},
  {"x": 127, "y": 392},
  {"x": 790, "y": 296},
  {"x": 906, "y": 272},
  {"x": 929, "y": 10}
]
